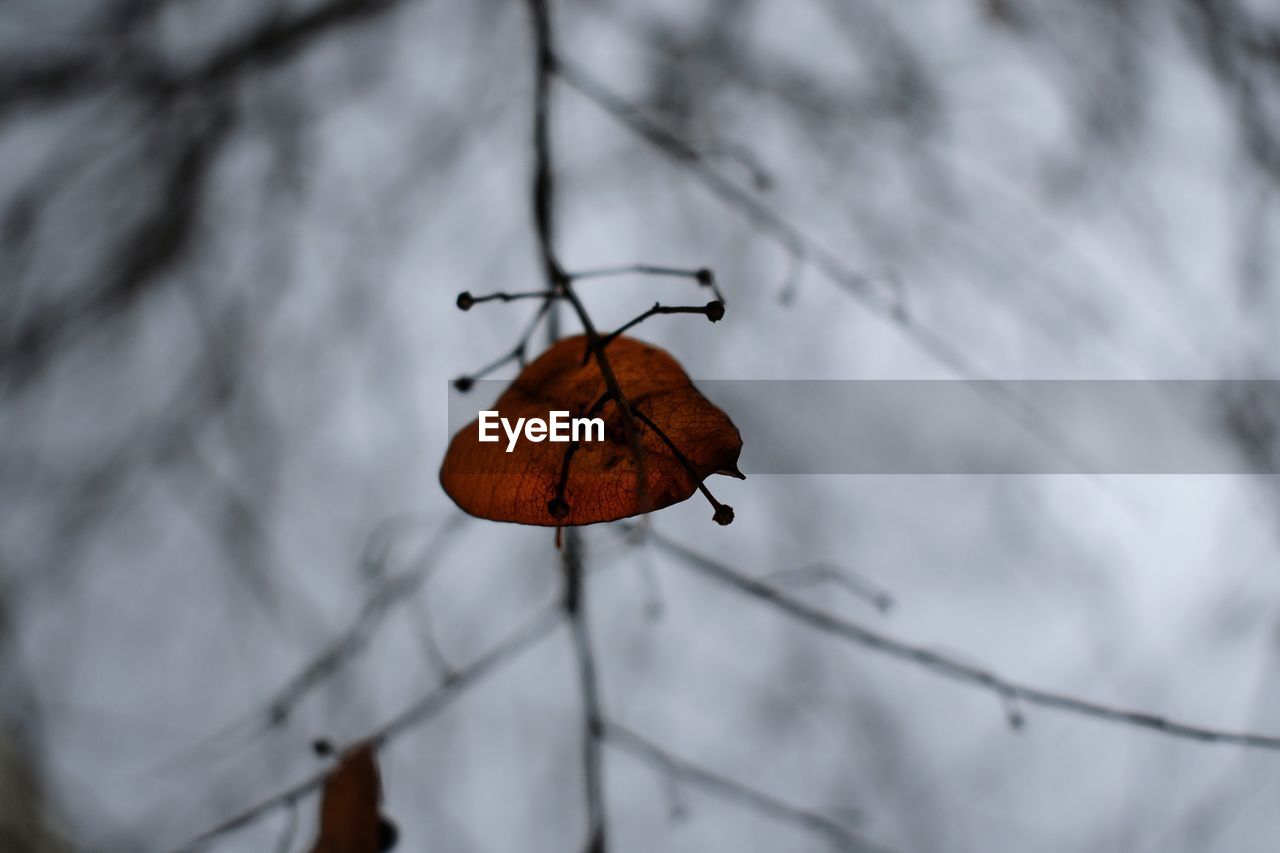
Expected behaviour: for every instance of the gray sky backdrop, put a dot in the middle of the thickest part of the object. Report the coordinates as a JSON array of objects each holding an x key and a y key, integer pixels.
[{"x": 228, "y": 326}]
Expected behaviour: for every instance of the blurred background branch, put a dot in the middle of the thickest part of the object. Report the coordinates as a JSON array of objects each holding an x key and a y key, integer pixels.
[{"x": 231, "y": 238}]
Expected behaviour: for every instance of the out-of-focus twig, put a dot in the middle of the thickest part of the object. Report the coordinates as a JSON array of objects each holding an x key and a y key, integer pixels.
[
  {"x": 592, "y": 714},
  {"x": 170, "y": 95},
  {"x": 390, "y": 591},
  {"x": 455, "y": 685},
  {"x": 886, "y": 303},
  {"x": 945, "y": 665},
  {"x": 629, "y": 741},
  {"x": 105, "y": 67}
]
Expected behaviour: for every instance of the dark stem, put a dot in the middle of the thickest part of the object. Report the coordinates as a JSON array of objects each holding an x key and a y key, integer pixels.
[
  {"x": 517, "y": 353},
  {"x": 546, "y": 65},
  {"x": 574, "y": 604},
  {"x": 559, "y": 506},
  {"x": 713, "y": 311},
  {"x": 702, "y": 275},
  {"x": 572, "y": 564},
  {"x": 466, "y": 300},
  {"x": 723, "y": 512}
]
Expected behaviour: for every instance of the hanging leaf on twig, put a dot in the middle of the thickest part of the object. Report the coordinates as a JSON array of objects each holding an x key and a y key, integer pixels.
[{"x": 535, "y": 480}]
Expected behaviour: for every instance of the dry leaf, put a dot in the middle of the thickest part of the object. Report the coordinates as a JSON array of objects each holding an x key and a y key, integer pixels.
[
  {"x": 523, "y": 485},
  {"x": 349, "y": 817}
]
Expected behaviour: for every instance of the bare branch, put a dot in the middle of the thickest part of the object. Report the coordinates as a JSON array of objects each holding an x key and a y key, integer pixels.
[
  {"x": 391, "y": 591},
  {"x": 517, "y": 353},
  {"x": 574, "y": 604},
  {"x": 281, "y": 38},
  {"x": 723, "y": 512},
  {"x": 544, "y": 224},
  {"x": 273, "y": 43},
  {"x": 466, "y": 300},
  {"x": 702, "y": 275},
  {"x": 945, "y": 665},
  {"x": 456, "y": 684},
  {"x": 887, "y": 304},
  {"x": 713, "y": 311},
  {"x": 573, "y": 569},
  {"x": 148, "y": 251},
  {"x": 722, "y": 786},
  {"x": 829, "y": 573}
]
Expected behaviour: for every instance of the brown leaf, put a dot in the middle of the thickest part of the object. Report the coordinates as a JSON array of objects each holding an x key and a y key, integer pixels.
[
  {"x": 349, "y": 817},
  {"x": 520, "y": 486}
]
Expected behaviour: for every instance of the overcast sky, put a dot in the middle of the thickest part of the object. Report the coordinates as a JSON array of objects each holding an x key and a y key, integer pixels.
[{"x": 230, "y": 247}]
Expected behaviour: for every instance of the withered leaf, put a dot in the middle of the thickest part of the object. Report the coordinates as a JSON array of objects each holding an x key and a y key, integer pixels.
[
  {"x": 349, "y": 818},
  {"x": 524, "y": 486}
]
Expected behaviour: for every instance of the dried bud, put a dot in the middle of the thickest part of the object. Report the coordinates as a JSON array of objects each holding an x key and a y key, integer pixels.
[
  {"x": 465, "y": 300},
  {"x": 388, "y": 835},
  {"x": 558, "y": 507}
]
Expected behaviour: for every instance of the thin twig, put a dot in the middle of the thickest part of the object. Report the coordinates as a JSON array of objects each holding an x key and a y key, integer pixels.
[
  {"x": 466, "y": 300},
  {"x": 702, "y": 275},
  {"x": 945, "y": 665},
  {"x": 544, "y": 225},
  {"x": 159, "y": 242},
  {"x": 575, "y": 607},
  {"x": 516, "y": 354},
  {"x": 888, "y": 306},
  {"x": 285, "y": 843},
  {"x": 456, "y": 684},
  {"x": 391, "y": 592},
  {"x": 573, "y": 601},
  {"x": 730, "y": 789},
  {"x": 723, "y": 512},
  {"x": 824, "y": 573},
  {"x": 713, "y": 311}
]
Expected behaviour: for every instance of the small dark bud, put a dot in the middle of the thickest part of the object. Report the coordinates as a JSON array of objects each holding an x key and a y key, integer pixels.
[
  {"x": 558, "y": 507},
  {"x": 704, "y": 277},
  {"x": 724, "y": 515},
  {"x": 322, "y": 747},
  {"x": 388, "y": 835},
  {"x": 1016, "y": 721},
  {"x": 464, "y": 383},
  {"x": 715, "y": 310},
  {"x": 465, "y": 300}
]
